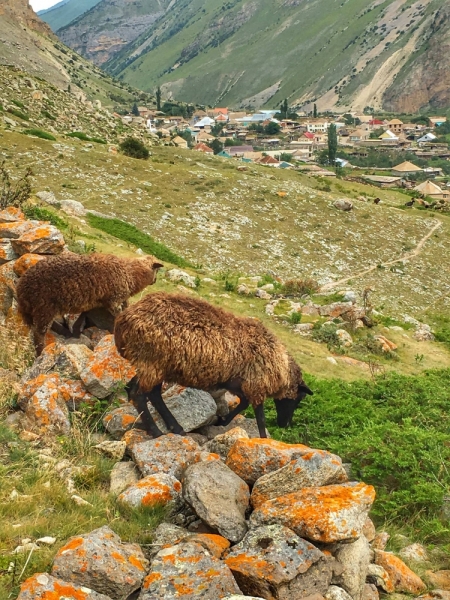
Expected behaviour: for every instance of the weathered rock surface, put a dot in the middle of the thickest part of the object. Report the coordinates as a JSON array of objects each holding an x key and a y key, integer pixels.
[
  {"x": 169, "y": 454},
  {"x": 380, "y": 577},
  {"x": 11, "y": 215},
  {"x": 123, "y": 474},
  {"x": 401, "y": 576},
  {"x": 166, "y": 535},
  {"x": 44, "y": 405},
  {"x": 154, "y": 490},
  {"x": 215, "y": 544},
  {"x": 273, "y": 562},
  {"x": 69, "y": 360},
  {"x": 101, "y": 561},
  {"x": 6, "y": 252},
  {"x": 178, "y": 276},
  {"x": 328, "y": 514},
  {"x": 415, "y": 553},
  {"x": 314, "y": 469},
  {"x": 371, "y": 592},
  {"x": 43, "y": 586},
  {"x": 222, "y": 444},
  {"x": 106, "y": 369},
  {"x": 191, "y": 408},
  {"x": 219, "y": 497},
  {"x": 187, "y": 571},
  {"x": 40, "y": 239},
  {"x": 253, "y": 458},
  {"x": 120, "y": 420},
  {"x": 115, "y": 450},
  {"x": 439, "y": 579},
  {"x": 355, "y": 559}
]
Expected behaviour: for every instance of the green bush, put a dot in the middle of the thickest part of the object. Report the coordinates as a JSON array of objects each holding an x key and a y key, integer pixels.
[
  {"x": 299, "y": 287},
  {"x": 44, "y": 135},
  {"x": 43, "y": 214},
  {"x": 295, "y": 317},
  {"x": 395, "y": 431},
  {"x": 98, "y": 140},
  {"x": 79, "y": 135},
  {"x": 48, "y": 115},
  {"x": 19, "y": 114},
  {"x": 134, "y": 148},
  {"x": 130, "y": 233},
  {"x": 19, "y": 104}
]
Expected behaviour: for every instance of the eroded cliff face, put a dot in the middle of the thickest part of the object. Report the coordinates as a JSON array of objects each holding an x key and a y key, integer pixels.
[
  {"x": 425, "y": 80},
  {"x": 20, "y": 10}
]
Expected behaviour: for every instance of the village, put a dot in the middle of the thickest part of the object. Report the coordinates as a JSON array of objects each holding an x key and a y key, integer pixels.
[{"x": 280, "y": 139}]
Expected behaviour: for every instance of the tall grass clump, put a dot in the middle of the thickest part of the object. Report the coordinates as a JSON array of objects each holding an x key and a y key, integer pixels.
[
  {"x": 134, "y": 148},
  {"x": 44, "y": 135},
  {"x": 14, "y": 195}
]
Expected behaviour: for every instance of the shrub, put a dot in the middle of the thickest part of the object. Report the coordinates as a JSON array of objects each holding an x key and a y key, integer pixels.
[
  {"x": 130, "y": 233},
  {"x": 326, "y": 335},
  {"x": 19, "y": 114},
  {"x": 48, "y": 115},
  {"x": 19, "y": 104},
  {"x": 295, "y": 317},
  {"x": 44, "y": 135},
  {"x": 43, "y": 214},
  {"x": 299, "y": 287},
  {"x": 134, "y": 148},
  {"x": 79, "y": 135},
  {"x": 14, "y": 196},
  {"x": 98, "y": 141}
]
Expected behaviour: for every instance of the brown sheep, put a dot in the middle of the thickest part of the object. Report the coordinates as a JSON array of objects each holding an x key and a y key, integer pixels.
[
  {"x": 169, "y": 337},
  {"x": 72, "y": 283}
]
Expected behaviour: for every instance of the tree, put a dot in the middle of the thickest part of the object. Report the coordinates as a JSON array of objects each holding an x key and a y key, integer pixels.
[
  {"x": 158, "y": 98},
  {"x": 134, "y": 148},
  {"x": 135, "y": 110},
  {"x": 332, "y": 144},
  {"x": 216, "y": 129},
  {"x": 315, "y": 111},
  {"x": 187, "y": 135},
  {"x": 272, "y": 128},
  {"x": 217, "y": 146},
  {"x": 284, "y": 109}
]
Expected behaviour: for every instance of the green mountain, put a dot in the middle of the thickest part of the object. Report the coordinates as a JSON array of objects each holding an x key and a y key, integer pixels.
[
  {"x": 248, "y": 53},
  {"x": 65, "y": 12}
]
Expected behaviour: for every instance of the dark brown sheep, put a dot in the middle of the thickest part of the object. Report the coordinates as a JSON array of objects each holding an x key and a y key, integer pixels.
[
  {"x": 72, "y": 283},
  {"x": 169, "y": 337}
]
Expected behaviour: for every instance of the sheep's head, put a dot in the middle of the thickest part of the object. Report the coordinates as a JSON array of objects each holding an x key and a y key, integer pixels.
[
  {"x": 154, "y": 265},
  {"x": 294, "y": 394}
]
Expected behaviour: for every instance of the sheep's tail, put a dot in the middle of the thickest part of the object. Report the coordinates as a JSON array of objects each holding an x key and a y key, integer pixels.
[{"x": 119, "y": 329}]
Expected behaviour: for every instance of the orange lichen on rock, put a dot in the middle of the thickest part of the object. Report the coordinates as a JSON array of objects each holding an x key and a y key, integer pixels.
[
  {"x": 328, "y": 514},
  {"x": 401, "y": 576},
  {"x": 155, "y": 490},
  {"x": 43, "y": 586},
  {"x": 26, "y": 261},
  {"x": 11, "y": 214},
  {"x": 215, "y": 544},
  {"x": 39, "y": 239}
]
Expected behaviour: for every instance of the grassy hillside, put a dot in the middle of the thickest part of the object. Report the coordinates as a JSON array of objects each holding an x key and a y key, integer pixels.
[
  {"x": 62, "y": 14},
  {"x": 248, "y": 53}
]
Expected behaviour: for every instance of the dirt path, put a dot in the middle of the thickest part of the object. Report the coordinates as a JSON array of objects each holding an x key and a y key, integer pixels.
[{"x": 417, "y": 250}]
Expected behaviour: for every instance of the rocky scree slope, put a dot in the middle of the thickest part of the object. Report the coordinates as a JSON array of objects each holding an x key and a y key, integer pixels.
[
  {"x": 64, "y": 12},
  {"x": 359, "y": 54},
  {"x": 246, "y": 517}
]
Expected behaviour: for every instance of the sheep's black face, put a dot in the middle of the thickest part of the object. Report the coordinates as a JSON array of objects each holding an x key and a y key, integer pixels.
[{"x": 286, "y": 407}]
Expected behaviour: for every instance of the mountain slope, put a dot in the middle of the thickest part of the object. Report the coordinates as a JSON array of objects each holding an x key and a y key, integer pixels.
[
  {"x": 254, "y": 53},
  {"x": 65, "y": 12}
]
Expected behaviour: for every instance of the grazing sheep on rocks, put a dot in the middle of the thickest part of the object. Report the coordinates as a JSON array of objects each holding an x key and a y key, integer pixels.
[
  {"x": 72, "y": 283},
  {"x": 169, "y": 337}
]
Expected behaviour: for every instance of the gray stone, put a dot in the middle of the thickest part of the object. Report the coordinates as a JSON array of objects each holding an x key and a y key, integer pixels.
[
  {"x": 336, "y": 593},
  {"x": 178, "y": 276},
  {"x": 218, "y": 496},
  {"x": 112, "y": 449},
  {"x": 121, "y": 419},
  {"x": 9, "y": 121},
  {"x": 92, "y": 560},
  {"x": 355, "y": 559},
  {"x": 371, "y": 592},
  {"x": 221, "y": 444},
  {"x": 73, "y": 207},
  {"x": 249, "y": 425},
  {"x": 379, "y": 577},
  {"x": 155, "y": 490},
  {"x": 170, "y": 454},
  {"x": 273, "y": 562},
  {"x": 191, "y": 408},
  {"x": 414, "y": 553},
  {"x": 343, "y": 204},
  {"x": 43, "y": 585},
  {"x": 68, "y": 360},
  {"x": 314, "y": 469},
  {"x": 48, "y": 197},
  {"x": 188, "y": 571},
  {"x": 6, "y": 252},
  {"x": 166, "y": 534},
  {"x": 123, "y": 474}
]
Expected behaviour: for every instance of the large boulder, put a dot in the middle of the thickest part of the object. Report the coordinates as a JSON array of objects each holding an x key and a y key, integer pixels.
[
  {"x": 223, "y": 443},
  {"x": 314, "y": 469},
  {"x": 328, "y": 514},
  {"x": 12, "y": 230},
  {"x": 123, "y": 475},
  {"x": 25, "y": 262},
  {"x": 253, "y": 458},
  {"x": 44, "y": 405},
  {"x": 188, "y": 571},
  {"x": 69, "y": 360},
  {"x": 106, "y": 369},
  {"x": 121, "y": 419},
  {"x": 273, "y": 562},
  {"x": 40, "y": 239},
  {"x": 218, "y": 496},
  {"x": 192, "y": 409},
  {"x": 43, "y": 586},
  {"x": 100, "y": 560},
  {"x": 154, "y": 490}
]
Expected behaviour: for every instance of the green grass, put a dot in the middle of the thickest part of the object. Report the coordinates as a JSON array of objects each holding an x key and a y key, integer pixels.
[
  {"x": 43, "y": 214},
  {"x": 85, "y": 138},
  {"x": 44, "y": 135},
  {"x": 19, "y": 114},
  {"x": 130, "y": 233},
  {"x": 395, "y": 431}
]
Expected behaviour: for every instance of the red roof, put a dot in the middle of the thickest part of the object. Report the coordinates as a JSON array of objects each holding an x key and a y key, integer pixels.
[
  {"x": 223, "y": 111},
  {"x": 221, "y": 117},
  {"x": 203, "y": 148},
  {"x": 268, "y": 160},
  {"x": 376, "y": 122},
  {"x": 309, "y": 135}
]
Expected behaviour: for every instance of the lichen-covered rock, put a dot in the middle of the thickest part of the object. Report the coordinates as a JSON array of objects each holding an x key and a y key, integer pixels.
[
  {"x": 123, "y": 474},
  {"x": 415, "y": 553},
  {"x": 75, "y": 394},
  {"x": 215, "y": 544},
  {"x": 314, "y": 469},
  {"x": 44, "y": 405},
  {"x": 273, "y": 562},
  {"x": 40, "y": 239},
  {"x": 169, "y": 454},
  {"x": 188, "y": 571},
  {"x": 380, "y": 541},
  {"x": 370, "y": 592},
  {"x": 225, "y": 402},
  {"x": 25, "y": 262},
  {"x": 328, "y": 514},
  {"x": 222, "y": 444},
  {"x": 154, "y": 490},
  {"x": 8, "y": 281},
  {"x": 112, "y": 449},
  {"x": 69, "y": 360},
  {"x": 11, "y": 215},
  {"x": 253, "y": 458},
  {"x": 355, "y": 560},
  {"x": 218, "y": 496},
  {"x": 166, "y": 535},
  {"x": 249, "y": 425},
  {"x": 6, "y": 252},
  {"x": 369, "y": 530},
  {"x": 336, "y": 593},
  {"x": 100, "y": 560},
  {"x": 192, "y": 409},
  {"x": 401, "y": 576},
  {"x": 14, "y": 229},
  {"x": 336, "y": 309},
  {"x": 379, "y": 577},
  {"x": 135, "y": 436},
  {"x": 43, "y": 586},
  {"x": 120, "y": 420},
  {"x": 106, "y": 369}
]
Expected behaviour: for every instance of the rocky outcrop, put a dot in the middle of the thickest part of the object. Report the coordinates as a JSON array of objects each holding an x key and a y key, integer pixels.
[{"x": 21, "y": 10}]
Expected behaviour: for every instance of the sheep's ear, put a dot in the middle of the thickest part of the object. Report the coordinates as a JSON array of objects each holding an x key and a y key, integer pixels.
[
  {"x": 305, "y": 389},
  {"x": 157, "y": 266}
]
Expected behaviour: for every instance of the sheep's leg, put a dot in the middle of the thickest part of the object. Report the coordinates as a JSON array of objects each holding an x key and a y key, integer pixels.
[
  {"x": 60, "y": 329},
  {"x": 79, "y": 325},
  {"x": 243, "y": 404},
  {"x": 158, "y": 403},
  {"x": 140, "y": 401},
  {"x": 261, "y": 420}
]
